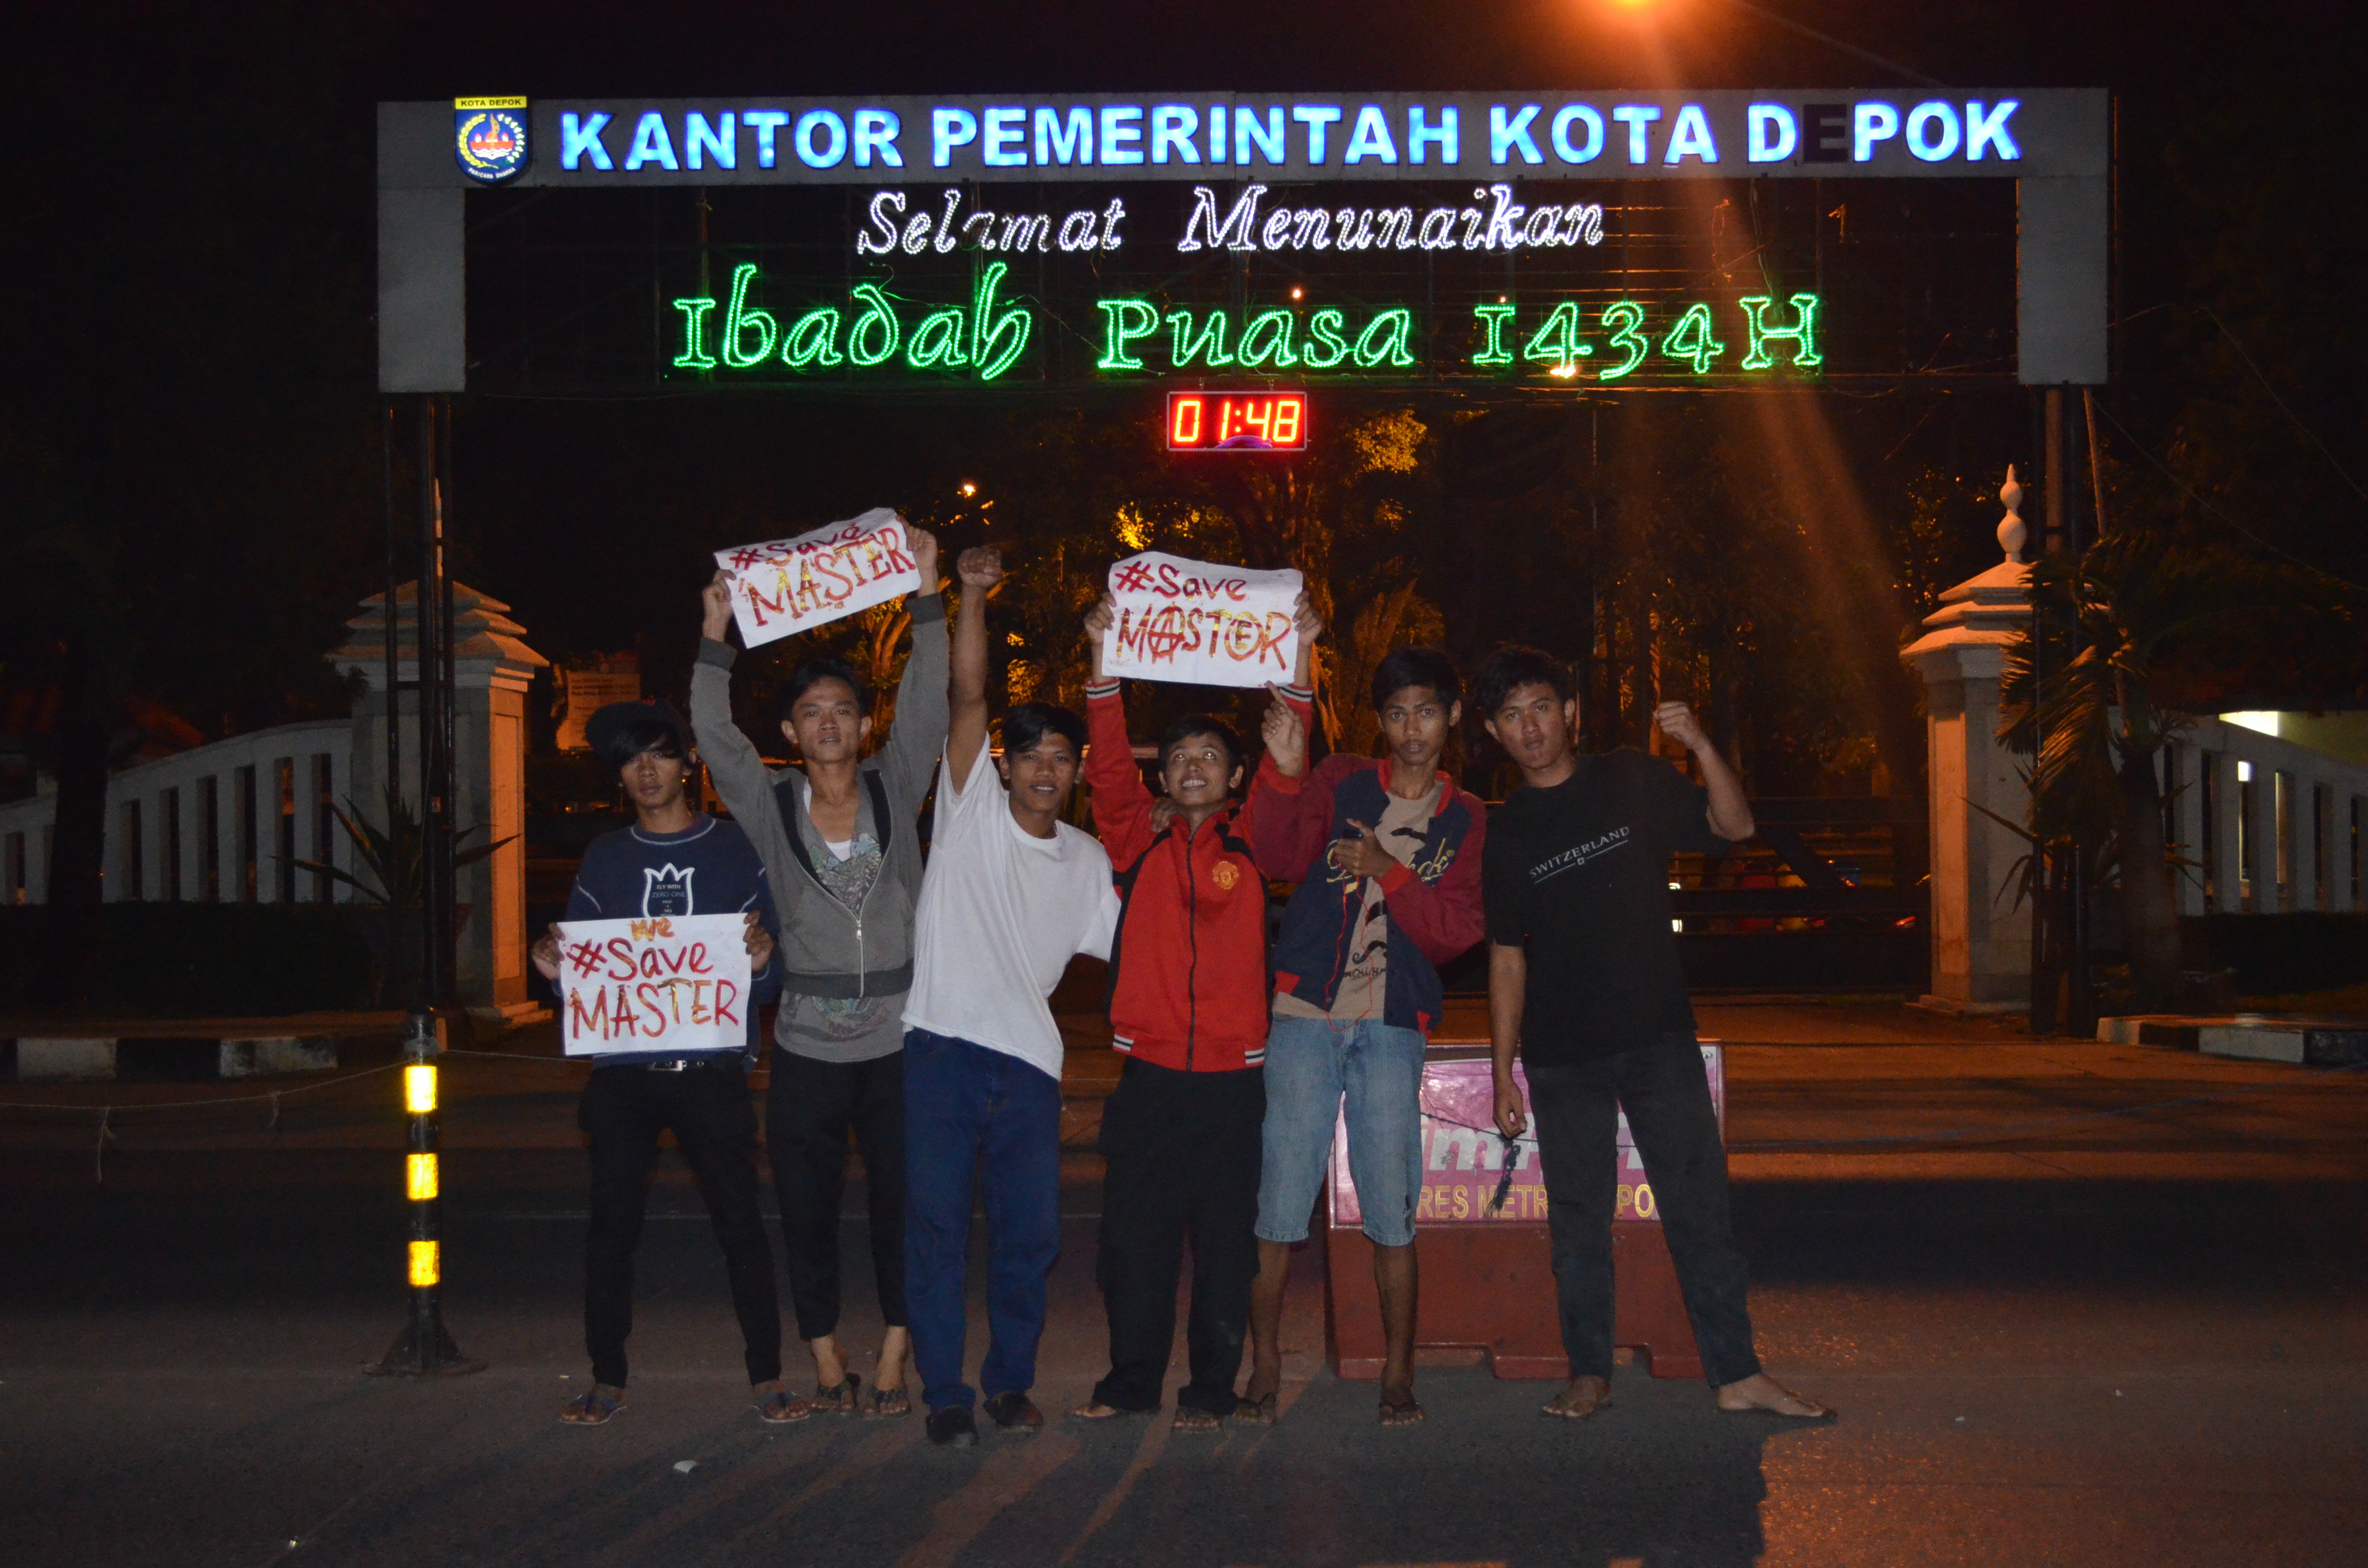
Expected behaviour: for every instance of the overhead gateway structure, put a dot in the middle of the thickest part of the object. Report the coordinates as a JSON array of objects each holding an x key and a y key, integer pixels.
[{"x": 1503, "y": 244}]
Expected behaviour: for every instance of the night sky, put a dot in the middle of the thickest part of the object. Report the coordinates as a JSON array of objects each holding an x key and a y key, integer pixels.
[{"x": 190, "y": 279}]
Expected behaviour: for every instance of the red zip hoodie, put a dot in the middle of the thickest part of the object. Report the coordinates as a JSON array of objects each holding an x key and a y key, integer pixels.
[{"x": 1188, "y": 967}]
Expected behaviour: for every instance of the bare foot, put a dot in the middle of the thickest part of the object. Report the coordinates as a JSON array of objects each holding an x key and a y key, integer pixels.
[
  {"x": 888, "y": 1372},
  {"x": 776, "y": 1405},
  {"x": 1582, "y": 1398},
  {"x": 1763, "y": 1393},
  {"x": 1188, "y": 1419},
  {"x": 830, "y": 1367},
  {"x": 1398, "y": 1406},
  {"x": 1262, "y": 1411}
]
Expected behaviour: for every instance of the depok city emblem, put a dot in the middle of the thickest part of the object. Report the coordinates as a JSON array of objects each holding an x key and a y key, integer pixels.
[{"x": 489, "y": 139}]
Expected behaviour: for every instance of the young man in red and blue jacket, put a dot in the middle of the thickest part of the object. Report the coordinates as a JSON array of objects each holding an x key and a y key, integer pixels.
[
  {"x": 1386, "y": 852},
  {"x": 1188, "y": 1007}
]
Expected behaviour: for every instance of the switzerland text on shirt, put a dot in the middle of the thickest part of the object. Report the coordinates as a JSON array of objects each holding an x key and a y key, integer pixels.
[{"x": 1579, "y": 855}]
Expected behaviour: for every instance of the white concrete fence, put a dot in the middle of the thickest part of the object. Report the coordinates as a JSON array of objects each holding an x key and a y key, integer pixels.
[
  {"x": 2274, "y": 828},
  {"x": 222, "y": 824}
]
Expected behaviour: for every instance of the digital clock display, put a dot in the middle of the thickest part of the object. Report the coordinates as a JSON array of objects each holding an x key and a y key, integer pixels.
[{"x": 1237, "y": 422}]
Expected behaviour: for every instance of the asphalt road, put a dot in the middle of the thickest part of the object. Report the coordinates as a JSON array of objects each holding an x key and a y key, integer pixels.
[{"x": 2134, "y": 1339}]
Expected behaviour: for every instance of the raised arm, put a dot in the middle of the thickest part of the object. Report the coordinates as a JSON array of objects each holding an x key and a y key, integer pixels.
[
  {"x": 979, "y": 568},
  {"x": 1122, "y": 805},
  {"x": 1288, "y": 818},
  {"x": 1730, "y": 813},
  {"x": 1290, "y": 811},
  {"x": 740, "y": 775},
  {"x": 918, "y": 734}
]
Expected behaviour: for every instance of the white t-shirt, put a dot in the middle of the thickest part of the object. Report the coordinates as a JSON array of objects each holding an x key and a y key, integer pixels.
[{"x": 1002, "y": 912}]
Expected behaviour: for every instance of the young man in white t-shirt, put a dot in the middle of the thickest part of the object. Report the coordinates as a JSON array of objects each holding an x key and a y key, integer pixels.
[{"x": 1011, "y": 895}]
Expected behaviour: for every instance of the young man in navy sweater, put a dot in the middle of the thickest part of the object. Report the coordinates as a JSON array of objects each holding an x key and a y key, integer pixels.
[{"x": 673, "y": 860}]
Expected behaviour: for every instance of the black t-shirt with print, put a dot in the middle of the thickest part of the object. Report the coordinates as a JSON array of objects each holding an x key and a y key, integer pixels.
[{"x": 1579, "y": 874}]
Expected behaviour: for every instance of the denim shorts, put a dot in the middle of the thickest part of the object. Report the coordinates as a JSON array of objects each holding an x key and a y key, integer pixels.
[{"x": 1311, "y": 1064}]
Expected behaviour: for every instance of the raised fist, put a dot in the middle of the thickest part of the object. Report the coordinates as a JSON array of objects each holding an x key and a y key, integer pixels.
[
  {"x": 925, "y": 557},
  {"x": 716, "y": 606},
  {"x": 981, "y": 566},
  {"x": 1677, "y": 720},
  {"x": 1286, "y": 736}
]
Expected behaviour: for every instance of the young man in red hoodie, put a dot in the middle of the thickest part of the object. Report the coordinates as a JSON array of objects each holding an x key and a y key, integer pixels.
[{"x": 1188, "y": 1007}]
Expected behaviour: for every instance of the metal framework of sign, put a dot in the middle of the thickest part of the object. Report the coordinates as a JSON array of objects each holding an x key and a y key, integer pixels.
[{"x": 1544, "y": 240}]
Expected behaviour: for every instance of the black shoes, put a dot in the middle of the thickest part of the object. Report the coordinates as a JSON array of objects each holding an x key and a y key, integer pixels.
[
  {"x": 952, "y": 1427},
  {"x": 1015, "y": 1413}
]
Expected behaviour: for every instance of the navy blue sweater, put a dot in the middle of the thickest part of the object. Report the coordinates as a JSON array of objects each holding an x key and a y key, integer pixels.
[{"x": 708, "y": 868}]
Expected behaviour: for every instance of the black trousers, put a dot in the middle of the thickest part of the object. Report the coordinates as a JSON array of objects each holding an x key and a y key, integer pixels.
[
  {"x": 1183, "y": 1163},
  {"x": 623, "y": 1110},
  {"x": 809, "y": 1111},
  {"x": 1667, "y": 1096}
]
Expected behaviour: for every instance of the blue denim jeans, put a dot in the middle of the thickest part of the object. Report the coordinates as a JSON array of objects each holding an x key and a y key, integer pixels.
[
  {"x": 969, "y": 1109},
  {"x": 1312, "y": 1067}
]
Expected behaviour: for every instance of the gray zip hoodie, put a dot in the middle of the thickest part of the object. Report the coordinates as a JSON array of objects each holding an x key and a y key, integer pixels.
[{"x": 845, "y": 971}]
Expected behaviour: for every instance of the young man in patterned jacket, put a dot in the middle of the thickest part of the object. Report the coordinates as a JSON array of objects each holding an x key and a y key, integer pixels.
[{"x": 1389, "y": 849}]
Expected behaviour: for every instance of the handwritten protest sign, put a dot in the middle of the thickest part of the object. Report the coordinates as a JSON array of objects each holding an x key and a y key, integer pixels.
[
  {"x": 795, "y": 585},
  {"x": 670, "y": 982},
  {"x": 1186, "y": 620}
]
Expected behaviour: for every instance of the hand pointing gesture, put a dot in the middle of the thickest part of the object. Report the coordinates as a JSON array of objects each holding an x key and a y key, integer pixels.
[{"x": 1363, "y": 854}]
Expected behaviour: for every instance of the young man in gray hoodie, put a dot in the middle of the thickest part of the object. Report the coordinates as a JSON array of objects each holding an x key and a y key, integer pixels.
[{"x": 838, "y": 841}]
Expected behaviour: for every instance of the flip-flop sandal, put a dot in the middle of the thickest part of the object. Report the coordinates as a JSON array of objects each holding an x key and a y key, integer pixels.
[
  {"x": 1561, "y": 1412},
  {"x": 1260, "y": 1412},
  {"x": 781, "y": 1407},
  {"x": 1824, "y": 1417},
  {"x": 887, "y": 1403},
  {"x": 594, "y": 1408},
  {"x": 1400, "y": 1413},
  {"x": 1196, "y": 1421},
  {"x": 837, "y": 1400},
  {"x": 1109, "y": 1413}
]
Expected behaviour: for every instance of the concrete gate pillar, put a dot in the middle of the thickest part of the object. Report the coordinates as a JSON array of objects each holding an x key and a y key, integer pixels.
[
  {"x": 492, "y": 668},
  {"x": 1981, "y": 941}
]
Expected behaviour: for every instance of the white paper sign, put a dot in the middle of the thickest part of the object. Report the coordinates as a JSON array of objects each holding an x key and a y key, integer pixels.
[
  {"x": 795, "y": 585},
  {"x": 1186, "y": 621},
  {"x": 669, "y": 982}
]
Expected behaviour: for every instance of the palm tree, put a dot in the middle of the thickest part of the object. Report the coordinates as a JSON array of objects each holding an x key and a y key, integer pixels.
[{"x": 2092, "y": 726}]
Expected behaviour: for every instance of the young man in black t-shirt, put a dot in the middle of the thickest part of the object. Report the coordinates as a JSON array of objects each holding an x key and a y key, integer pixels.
[{"x": 1575, "y": 876}]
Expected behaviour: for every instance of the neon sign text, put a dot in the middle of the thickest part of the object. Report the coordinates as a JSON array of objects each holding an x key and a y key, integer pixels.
[
  {"x": 891, "y": 231},
  {"x": 985, "y": 337},
  {"x": 1379, "y": 136},
  {"x": 1504, "y": 224}
]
